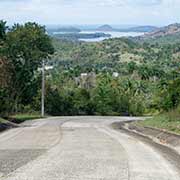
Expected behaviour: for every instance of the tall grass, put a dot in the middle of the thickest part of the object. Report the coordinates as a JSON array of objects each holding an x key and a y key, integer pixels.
[{"x": 169, "y": 121}]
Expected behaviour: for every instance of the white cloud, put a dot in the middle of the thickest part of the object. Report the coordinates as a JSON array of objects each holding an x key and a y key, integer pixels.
[{"x": 91, "y": 11}]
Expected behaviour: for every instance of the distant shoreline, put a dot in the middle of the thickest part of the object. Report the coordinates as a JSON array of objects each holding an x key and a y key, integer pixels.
[{"x": 94, "y": 36}]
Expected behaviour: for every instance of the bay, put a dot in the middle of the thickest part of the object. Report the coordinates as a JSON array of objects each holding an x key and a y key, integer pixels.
[{"x": 112, "y": 33}]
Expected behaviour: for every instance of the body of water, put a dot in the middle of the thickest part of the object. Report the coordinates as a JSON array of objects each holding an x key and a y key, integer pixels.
[{"x": 113, "y": 35}]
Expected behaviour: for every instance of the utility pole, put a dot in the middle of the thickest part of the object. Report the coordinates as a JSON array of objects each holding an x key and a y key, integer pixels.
[{"x": 43, "y": 88}]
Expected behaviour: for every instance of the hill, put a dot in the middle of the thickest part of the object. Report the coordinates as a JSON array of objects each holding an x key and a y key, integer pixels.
[
  {"x": 142, "y": 29},
  {"x": 62, "y": 30},
  {"x": 68, "y": 30},
  {"x": 169, "y": 34},
  {"x": 105, "y": 28},
  {"x": 164, "y": 31},
  {"x": 132, "y": 29},
  {"x": 115, "y": 55}
]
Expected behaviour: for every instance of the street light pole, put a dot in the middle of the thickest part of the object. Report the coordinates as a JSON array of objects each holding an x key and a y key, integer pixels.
[{"x": 43, "y": 88}]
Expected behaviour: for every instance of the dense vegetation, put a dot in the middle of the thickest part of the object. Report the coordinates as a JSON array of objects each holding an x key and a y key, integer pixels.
[
  {"x": 22, "y": 49},
  {"x": 147, "y": 81},
  {"x": 112, "y": 77},
  {"x": 168, "y": 39}
]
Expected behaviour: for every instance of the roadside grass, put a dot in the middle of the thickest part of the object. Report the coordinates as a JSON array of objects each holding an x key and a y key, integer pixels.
[
  {"x": 19, "y": 118},
  {"x": 4, "y": 124},
  {"x": 2, "y": 120},
  {"x": 169, "y": 121}
]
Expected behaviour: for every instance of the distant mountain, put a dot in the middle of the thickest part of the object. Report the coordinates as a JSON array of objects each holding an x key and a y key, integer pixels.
[
  {"x": 61, "y": 30},
  {"x": 167, "y": 34},
  {"x": 68, "y": 29},
  {"x": 164, "y": 31},
  {"x": 142, "y": 29},
  {"x": 105, "y": 28},
  {"x": 132, "y": 29}
]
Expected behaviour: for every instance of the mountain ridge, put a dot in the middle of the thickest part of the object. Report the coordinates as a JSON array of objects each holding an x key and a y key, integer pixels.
[
  {"x": 164, "y": 31},
  {"x": 147, "y": 28}
]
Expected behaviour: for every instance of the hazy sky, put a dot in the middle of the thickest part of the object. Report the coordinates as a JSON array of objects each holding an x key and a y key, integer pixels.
[{"x": 141, "y": 12}]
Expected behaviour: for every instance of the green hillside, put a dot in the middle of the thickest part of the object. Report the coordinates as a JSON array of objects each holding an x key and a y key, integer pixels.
[{"x": 116, "y": 55}]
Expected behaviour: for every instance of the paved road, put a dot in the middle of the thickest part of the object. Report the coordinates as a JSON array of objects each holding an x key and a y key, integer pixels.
[{"x": 79, "y": 148}]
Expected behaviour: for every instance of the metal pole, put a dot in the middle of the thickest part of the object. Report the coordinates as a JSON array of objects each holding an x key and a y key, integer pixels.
[{"x": 43, "y": 88}]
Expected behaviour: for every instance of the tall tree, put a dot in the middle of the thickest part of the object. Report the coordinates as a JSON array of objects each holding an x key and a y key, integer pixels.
[
  {"x": 25, "y": 47},
  {"x": 3, "y": 29},
  {"x": 4, "y": 66}
]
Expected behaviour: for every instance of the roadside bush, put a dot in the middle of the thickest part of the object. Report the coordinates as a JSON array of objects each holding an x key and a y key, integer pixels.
[
  {"x": 170, "y": 95},
  {"x": 136, "y": 106},
  {"x": 54, "y": 102},
  {"x": 6, "y": 103},
  {"x": 83, "y": 103}
]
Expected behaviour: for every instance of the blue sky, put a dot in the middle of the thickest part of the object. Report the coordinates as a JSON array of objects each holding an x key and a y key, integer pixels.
[{"x": 138, "y": 12}]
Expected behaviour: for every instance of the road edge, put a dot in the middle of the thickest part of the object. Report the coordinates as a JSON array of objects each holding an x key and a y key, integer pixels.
[
  {"x": 161, "y": 137},
  {"x": 6, "y": 125}
]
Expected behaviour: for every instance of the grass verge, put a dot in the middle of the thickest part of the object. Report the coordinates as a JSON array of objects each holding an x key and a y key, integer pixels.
[
  {"x": 168, "y": 121},
  {"x": 19, "y": 118},
  {"x": 2, "y": 120}
]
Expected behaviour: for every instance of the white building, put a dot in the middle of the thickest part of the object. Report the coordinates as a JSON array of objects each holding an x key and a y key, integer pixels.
[{"x": 115, "y": 74}]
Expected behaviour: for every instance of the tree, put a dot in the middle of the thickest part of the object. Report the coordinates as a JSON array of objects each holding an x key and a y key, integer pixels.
[
  {"x": 83, "y": 102},
  {"x": 102, "y": 95},
  {"x": 25, "y": 47},
  {"x": 3, "y": 29},
  {"x": 131, "y": 66},
  {"x": 169, "y": 94},
  {"x": 3, "y": 61},
  {"x": 4, "y": 72}
]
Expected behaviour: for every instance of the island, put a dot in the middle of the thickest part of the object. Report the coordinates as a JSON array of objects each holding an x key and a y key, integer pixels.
[{"x": 77, "y": 36}]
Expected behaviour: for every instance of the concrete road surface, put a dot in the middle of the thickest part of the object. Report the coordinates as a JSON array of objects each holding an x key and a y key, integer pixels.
[{"x": 79, "y": 148}]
